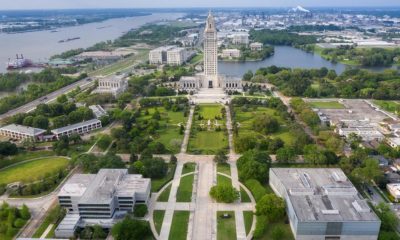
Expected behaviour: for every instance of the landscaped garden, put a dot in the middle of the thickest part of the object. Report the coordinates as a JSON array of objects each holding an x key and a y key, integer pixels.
[
  {"x": 208, "y": 133},
  {"x": 326, "y": 104},
  {"x": 179, "y": 225},
  {"x": 226, "y": 227}
]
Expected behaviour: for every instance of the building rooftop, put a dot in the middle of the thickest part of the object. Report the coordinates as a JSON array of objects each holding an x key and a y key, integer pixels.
[
  {"x": 76, "y": 185},
  {"x": 23, "y": 129},
  {"x": 323, "y": 194},
  {"x": 74, "y": 126}
]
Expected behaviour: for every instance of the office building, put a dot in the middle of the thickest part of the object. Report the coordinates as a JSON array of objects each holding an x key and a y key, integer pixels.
[
  {"x": 256, "y": 46},
  {"x": 20, "y": 132},
  {"x": 79, "y": 128},
  {"x": 230, "y": 53},
  {"x": 114, "y": 85},
  {"x": 240, "y": 39},
  {"x": 323, "y": 204}
]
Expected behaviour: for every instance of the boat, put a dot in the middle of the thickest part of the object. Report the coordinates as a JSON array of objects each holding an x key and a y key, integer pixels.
[
  {"x": 68, "y": 40},
  {"x": 19, "y": 62}
]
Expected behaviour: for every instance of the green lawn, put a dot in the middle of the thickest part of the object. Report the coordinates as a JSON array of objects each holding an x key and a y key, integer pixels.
[
  {"x": 390, "y": 106},
  {"x": 157, "y": 184},
  {"x": 185, "y": 189},
  {"x": 179, "y": 225},
  {"x": 226, "y": 227},
  {"x": 222, "y": 180},
  {"x": 244, "y": 196},
  {"x": 188, "y": 168},
  {"x": 165, "y": 194},
  {"x": 248, "y": 220},
  {"x": 158, "y": 217},
  {"x": 270, "y": 227},
  {"x": 207, "y": 142},
  {"x": 24, "y": 156},
  {"x": 32, "y": 171},
  {"x": 326, "y": 105},
  {"x": 210, "y": 111},
  {"x": 224, "y": 168}
]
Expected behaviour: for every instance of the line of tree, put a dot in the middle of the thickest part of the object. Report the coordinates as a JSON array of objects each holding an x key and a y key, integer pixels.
[{"x": 281, "y": 37}]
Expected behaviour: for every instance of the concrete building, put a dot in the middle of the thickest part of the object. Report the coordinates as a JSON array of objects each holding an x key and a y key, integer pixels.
[
  {"x": 367, "y": 133},
  {"x": 230, "y": 53},
  {"x": 100, "y": 198},
  {"x": 394, "y": 190},
  {"x": 79, "y": 128},
  {"x": 114, "y": 85},
  {"x": 323, "y": 204},
  {"x": 176, "y": 56},
  {"x": 98, "y": 111},
  {"x": 394, "y": 142},
  {"x": 256, "y": 46},
  {"x": 211, "y": 51},
  {"x": 240, "y": 39},
  {"x": 20, "y": 132}
]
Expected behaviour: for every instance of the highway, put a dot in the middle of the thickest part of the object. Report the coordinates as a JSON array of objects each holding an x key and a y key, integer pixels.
[{"x": 83, "y": 84}]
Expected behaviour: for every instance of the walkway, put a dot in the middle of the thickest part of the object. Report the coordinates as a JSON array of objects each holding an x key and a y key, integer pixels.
[{"x": 187, "y": 131}]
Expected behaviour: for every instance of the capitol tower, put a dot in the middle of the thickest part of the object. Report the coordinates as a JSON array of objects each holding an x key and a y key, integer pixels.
[{"x": 211, "y": 52}]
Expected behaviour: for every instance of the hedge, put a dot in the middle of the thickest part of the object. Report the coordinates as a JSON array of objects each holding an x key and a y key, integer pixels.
[{"x": 255, "y": 188}]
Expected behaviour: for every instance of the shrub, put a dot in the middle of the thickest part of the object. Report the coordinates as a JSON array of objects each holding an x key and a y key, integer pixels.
[
  {"x": 224, "y": 193},
  {"x": 261, "y": 225},
  {"x": 140, "y": 210},
  {"x": 19, "y": 223},
  {"x": 255, "y": 188},
  {"x": 277, "y": 233}
]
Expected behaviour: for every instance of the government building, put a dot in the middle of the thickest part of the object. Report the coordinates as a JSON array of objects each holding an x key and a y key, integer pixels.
[{"x": 210, "y": 79}]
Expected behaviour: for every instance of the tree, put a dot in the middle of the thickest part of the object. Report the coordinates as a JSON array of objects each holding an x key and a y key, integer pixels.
[
  {"x": 245, "y": 143},
  {"x": 155, "y": 168},
  {"x": 173, "y": 159},
  {"x": 387, "y": 216},
  {"x": 271, "y": 206},
  {"x": 25, "y": 214},
  {"x": 248, "y": 76},
  {"x": 277, "y": 233},
  {"x": 8, "y": 148},
  {"x": 220, "y": 157},
  {"x": 286, "y": 155},
  {"x": 370, "y": 172},
  {"x": 130, "y": 229},
  {"x": 140, "y": 210},
  {"x": 314, "y": 155},
  {"x": 265, "y": 124},
  {"x": 98, "y": 232},
  {"x": 224, "y": 193},
  {"x": 104, "y": 142},
  {"x": 62, "y": 99},
  {"x": 40, "y": 122}
]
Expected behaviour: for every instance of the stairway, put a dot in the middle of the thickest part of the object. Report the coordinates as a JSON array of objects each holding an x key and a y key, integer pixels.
[{"x": 210, "y": 95}]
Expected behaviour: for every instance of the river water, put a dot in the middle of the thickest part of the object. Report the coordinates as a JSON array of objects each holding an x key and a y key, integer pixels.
[
  {"x": 41, "y": 45},
  {"x": 284, "y": 56}
]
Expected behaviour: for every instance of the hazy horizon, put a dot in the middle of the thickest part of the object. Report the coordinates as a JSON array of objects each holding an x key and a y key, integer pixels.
[{"x": 137, "y": 4}]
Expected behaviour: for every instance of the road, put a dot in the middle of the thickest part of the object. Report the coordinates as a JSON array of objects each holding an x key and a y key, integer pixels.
[{"x": 83, "y": 84}]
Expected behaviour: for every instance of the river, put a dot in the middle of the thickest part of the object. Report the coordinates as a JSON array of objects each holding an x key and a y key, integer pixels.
[
  {"x": 284, "y": 56},
  {"x": 41, "y": 45}
]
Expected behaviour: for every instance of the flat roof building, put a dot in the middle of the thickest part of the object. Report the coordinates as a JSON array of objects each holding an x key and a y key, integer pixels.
[
  {"x": 240, "y": 38},
  {"x": 256, "y": 46},
  {"x": 79, "y": 128},
  {"x": 394, "y": 190},
  {"x": 230, "y": 53},
  {"x": 19, "y": 132},
  {"x": 101, "y": 198},
  {"x": 114, "y": 85},
  {"x": 323, "y": 204},
  {"x": 159, "y": 55},
  {"x": 98, "y": 111}
]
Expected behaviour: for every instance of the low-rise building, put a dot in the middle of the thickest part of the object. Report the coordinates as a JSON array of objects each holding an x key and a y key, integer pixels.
[
  {"x": 240, "y": 39},
  {"x": 230, "y": 53},
  {"x": 98, "y": 111},
  {"x": 367, "y": 133},
  {"x": 323, "y": 204},
  {"x": 20, "y": 132},
  {"x": 256, "y": 46},
  {"x": 171, "y": 55},
  {"x": 394, "y": 190},
  {"x": 115, "y": 85},
  {"x": 100, "y": 198},
  {"x": 79, "y": 128}
]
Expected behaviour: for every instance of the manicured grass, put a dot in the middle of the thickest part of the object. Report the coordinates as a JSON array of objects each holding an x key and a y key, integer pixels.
[
  {"x": 157, "y": 184},
  {"x": 222, "y": 180},
  {"x": 326, "y": 105},
  {"x": 179, "y": 225},
  {"x": 226, "y": 227},
  {"x": 158, "y": 217},
  {"x": 248, "y": 220},
  {"x": 32, "y": 171},
  {"x": 224, "y": 168},
  {"x": 208, "y": 142},
  {"x": 185, "y": 189},
  {"x": 24, "y": 156},
  {"x": 390, "y": 106},
  {"x": 165, "y": 194},
  {"x": 188, "y": 168},
  {"x": 244, "y": 196},
  {"x": 198, "y": 58},
  {"x": 270, "y": 227},
  {"x": 210, "y": 111}
]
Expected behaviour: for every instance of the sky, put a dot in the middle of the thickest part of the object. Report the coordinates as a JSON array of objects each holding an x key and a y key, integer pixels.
[{"x": 63, "y": 4}]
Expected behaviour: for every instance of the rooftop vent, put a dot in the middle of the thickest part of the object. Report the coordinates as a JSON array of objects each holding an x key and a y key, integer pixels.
[
  {"x": 330, "y": 212},
  {"x": 305, "y": 179},
  {"x": 361, "y": 206}
]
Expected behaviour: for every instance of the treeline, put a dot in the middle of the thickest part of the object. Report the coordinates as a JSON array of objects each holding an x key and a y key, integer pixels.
[
  {"x": 10, "y": 81},
  {"x": 247, "y": 54},
  {"x": 12, "y": 219},
  {"x": 49, "y": 80},
  {"x": 313, "y": 83},
  {"x": 281, "y": 37},
  {"x": 367, "y": 57},
  {"x": 314, "y": 28}
]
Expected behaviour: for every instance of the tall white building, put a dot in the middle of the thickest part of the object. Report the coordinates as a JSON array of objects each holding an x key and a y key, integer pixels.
[
  {"x": 241, "y": 39},
  {"x": 114, "y": 85},
  {"x": 210, "y": 49},
  {"x": 176, "y": 56},
  {"x": 159, "y": 55}
]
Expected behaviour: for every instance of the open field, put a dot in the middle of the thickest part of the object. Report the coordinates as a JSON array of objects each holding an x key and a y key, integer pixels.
[
  {"x": 185, "y": 189},
  {"x": 32, "y": 171},
  {"x": 158, "y": 217},
  {"x": 222, "y": 180},
  {"x": 224, "y": 168},
  {"x": 245, "y": 121},
  {"x": 244, "y": 196},
  {"x": 226, "y": 228},
  {"x": 188, "y": 168},
  {"x": 326, "y": 105},
  {"x": 179, "y": 225},
  {"x": 390, "y": 106},
  {"x": 271, "y": 226},
  {"x": 210, "y": 111},
  {"x": 208, "y": 142},
  {"x": 24, "y": 156}
]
